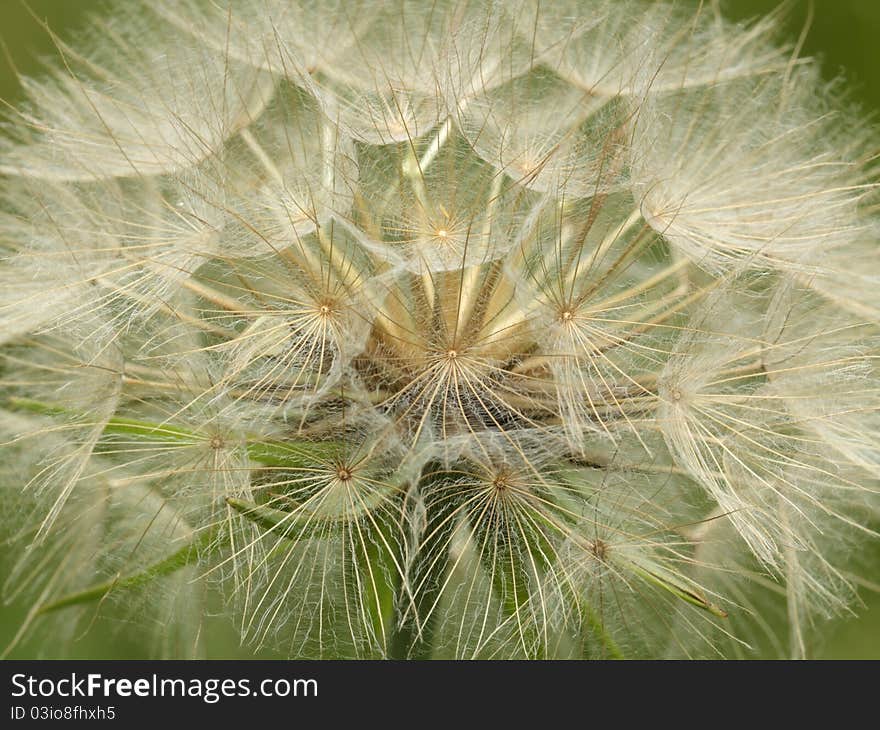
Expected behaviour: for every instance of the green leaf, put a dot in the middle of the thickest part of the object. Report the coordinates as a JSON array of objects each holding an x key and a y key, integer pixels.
[
  {"x": 291, "y": 455},
  {"x": 183, "y": 557},
  {"x": 596, "y": 627},
  {"x": 516, "y": 553},
  {"x": 413, "y": 636},
  {"x": 376, "y": 572}
]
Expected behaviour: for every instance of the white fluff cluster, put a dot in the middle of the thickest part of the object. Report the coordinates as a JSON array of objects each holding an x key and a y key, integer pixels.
[{"x": 457, "y": 328}]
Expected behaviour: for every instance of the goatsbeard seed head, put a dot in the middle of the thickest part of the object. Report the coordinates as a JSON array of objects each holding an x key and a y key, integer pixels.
[{"x": 474, "y": 329}]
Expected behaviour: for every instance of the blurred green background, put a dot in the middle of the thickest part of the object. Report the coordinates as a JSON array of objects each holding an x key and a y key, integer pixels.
[{"x": 842, "y": 33}]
